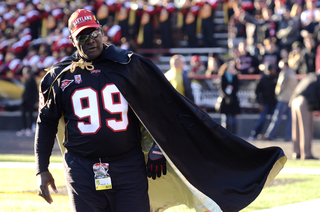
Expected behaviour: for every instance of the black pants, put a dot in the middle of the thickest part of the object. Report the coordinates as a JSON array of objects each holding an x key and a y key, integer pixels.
[
  {"x": 27, "y": 116},
  {"x": 129, "y": 184}
]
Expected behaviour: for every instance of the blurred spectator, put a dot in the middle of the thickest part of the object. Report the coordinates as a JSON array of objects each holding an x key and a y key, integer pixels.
[
  {"x": 315, "y": 33},
  {"x": 196, "y": 66},
  {"x": 207, "y": 24},
  {"x": 178, "y": 78},
  {"x": 59, "y": 38},
  {"x": 284, "y": 53},
  {"x": 236, "y": 28},
  {"x": 248, "y": 5},
  {"x": 165, "y": 25},
  {"x": 46, "y": 58},
  {"x": 314, "y": 29},
  {"x": 305, "y": 100},
  {"x": 308, "y": 55},
  {"x": 103, "y": 13},
  {"x": 253, "y": 20},
  {"x": 245, "y": 62},
  {"x": 279, "y": 7},
  {"x": 13, "y": 64},
  {"x": 308, "y": 15},
  {"x": 267, "y": 27},
  {"x": 229, "y": 87},
  {"x": 29, "y": 101},
  {"x": 213, "y": 66},
  {"x": 269, "y": 53},
  {"x": 114, "y": 34},
  {"x": 287, "y": 30},
  {"x": 295, "y": 13},
  {"x": 62, "y": 55},
  {"x": 228, "y": 7},
  {"x": 258, "y": 7},
  {"x": 287, "y": 81},
  {"x": 123, "y": 19},
  {"x": 146, "y": 31},
  {"x": 33, "y": 19},
  {"x": 190, "y": 24},
  {"x": 32, "y": 59},
  {"x": 294, "y": 58},
  {"x": 265, "y": 96}
]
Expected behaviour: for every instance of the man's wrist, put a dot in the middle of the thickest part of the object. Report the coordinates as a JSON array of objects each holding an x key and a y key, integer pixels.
[{"x": 41, "y": 171}]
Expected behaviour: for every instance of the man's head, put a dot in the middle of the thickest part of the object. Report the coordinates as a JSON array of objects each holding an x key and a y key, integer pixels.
[
  {"x": 86, "y": 34},
  {"x": 270, "y": 69},
  {"x": 27, "y": 72},
  {"x": 242, "y": 48},
  {"x": 195, "y": 60},
  {"x": 286, "y": 13},
  {"x": 177, "y": 61}
]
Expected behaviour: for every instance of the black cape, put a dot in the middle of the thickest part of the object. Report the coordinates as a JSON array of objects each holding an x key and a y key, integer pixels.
[{"x": 224, "y": 171}]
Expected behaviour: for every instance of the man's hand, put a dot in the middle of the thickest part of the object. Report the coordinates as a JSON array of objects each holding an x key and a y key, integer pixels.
[
  {"x": 261, "y": 108},
  {"x": 156, "y": 163},
  {"x": 44, "y": 179}
]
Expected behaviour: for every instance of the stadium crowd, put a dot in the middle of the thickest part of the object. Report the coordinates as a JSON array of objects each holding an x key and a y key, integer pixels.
[{"x": 35, "y": 33}]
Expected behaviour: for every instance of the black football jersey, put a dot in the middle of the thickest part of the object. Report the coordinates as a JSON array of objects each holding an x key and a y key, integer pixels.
[{"x": 99, "y": 121}]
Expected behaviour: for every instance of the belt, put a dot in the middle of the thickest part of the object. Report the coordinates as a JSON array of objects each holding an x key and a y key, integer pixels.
[{"x": 128, "y": 153}]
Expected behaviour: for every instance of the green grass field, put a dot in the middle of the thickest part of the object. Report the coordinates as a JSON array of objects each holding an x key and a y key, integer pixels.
[{"x": 18, "y": 188}]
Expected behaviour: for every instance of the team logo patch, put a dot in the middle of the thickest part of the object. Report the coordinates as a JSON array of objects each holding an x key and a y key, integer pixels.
[
  {"x": 65, "y": 83},
  {"x": 77, "y": 78}
]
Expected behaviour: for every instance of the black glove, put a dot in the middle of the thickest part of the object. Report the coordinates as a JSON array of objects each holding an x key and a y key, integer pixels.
[{"x": 156, "y": 162}]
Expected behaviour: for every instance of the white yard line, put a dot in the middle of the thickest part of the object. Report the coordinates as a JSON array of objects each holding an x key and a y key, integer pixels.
[
  {"x": 300, "y": 171},
  {"x": 308, "y": 206}
]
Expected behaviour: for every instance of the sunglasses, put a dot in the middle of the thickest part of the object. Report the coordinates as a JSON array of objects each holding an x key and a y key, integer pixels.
[{"x": 83, "y": 38}]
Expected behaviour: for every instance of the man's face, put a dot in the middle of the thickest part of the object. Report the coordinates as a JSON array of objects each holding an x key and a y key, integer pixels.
[
  {"x": 286, "y": 14},
  {"x": 180, "y": 64},
  {"x": 92, "y": 47}
]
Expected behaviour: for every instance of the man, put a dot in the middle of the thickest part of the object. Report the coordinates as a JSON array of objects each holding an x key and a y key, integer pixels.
[
  {"x": 305, "y": 99},
  {"x": 287, "y": 30},
  {"x": 100, "y": 140},
  {"x": 308, "y": 55},
  {"x": 102, "y": 93},
  {"x": 29, "y": 101},
  {"x": 265, "y": 97},
  {"x": 178, "y": 78},
  {"x": 245, "y": 62},
  {"x": 287, "y": 81}
]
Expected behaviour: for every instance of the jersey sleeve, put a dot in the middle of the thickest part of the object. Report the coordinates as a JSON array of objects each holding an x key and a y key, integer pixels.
[{"x": 48, "y": 119}]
